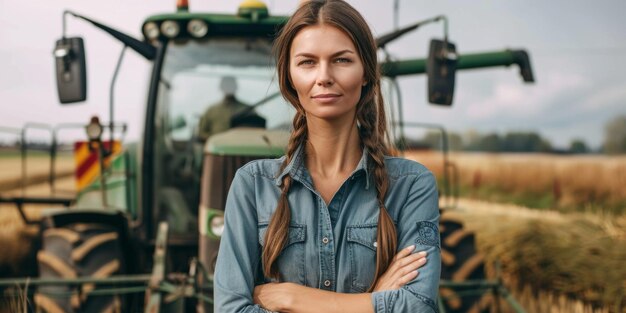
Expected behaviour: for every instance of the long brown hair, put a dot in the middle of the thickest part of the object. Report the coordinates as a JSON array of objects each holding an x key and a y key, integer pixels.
[{"x": 370, "y": 117}]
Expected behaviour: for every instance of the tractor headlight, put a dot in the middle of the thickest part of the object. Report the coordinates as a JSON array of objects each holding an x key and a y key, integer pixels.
[
  {"x": 211, "y": 222},
  {"x": 216, "y": 225},
  {"x": 94, "y": 129},
  {"x": 151, "y": 30},
  {"x": 197, "y": 28},
  {"x": 170, "y": 29}
]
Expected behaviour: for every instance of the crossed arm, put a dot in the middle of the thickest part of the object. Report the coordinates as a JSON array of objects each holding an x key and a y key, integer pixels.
[{"x": 289, "y": 297}]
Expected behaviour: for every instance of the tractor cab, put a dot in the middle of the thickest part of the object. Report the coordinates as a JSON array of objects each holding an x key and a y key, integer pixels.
[{"x": 216, "y": 107}]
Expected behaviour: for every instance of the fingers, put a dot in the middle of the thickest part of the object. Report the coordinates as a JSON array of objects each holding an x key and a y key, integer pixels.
[
  {"x": 406, "y": 260},
  {"x": 406, "y": 265},
  {"x": 404, "y": 252},
  {"x": 407, "y": 273},
  {"x": 402, "y": 270},
  {"x": 413, "y": 266},
  {"x": 407, "y": 278}
]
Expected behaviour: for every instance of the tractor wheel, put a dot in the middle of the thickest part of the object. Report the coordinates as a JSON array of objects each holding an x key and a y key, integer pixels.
[
  {"x": 78, "y": 250},
  {"x": 460, "y": 262}
]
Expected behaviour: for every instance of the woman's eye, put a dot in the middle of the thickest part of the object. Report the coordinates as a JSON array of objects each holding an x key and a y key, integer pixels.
[
  {"x": 305, "y": 62},
  {"x": 343, "y": 60}
]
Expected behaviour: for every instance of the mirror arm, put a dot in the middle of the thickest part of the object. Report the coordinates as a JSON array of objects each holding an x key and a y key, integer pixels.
[
  {"x": 112, "y": 98},
  {"x": 389, "y": 37},
  {"x": 465, "y": 62},
  {"x": 146, "y": 50}
]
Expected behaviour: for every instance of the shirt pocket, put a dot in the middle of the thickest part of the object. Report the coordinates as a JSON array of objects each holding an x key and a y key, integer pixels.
[
  {"x": 362, "y": 250},
  {"x": 291, "y": 265}
]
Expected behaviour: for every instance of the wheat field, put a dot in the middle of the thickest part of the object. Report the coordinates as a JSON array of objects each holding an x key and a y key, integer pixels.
[{"x": 593, "y": 183}]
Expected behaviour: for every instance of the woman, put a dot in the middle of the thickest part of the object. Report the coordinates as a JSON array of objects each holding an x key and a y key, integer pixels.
[{"x": 319, "y": 229}]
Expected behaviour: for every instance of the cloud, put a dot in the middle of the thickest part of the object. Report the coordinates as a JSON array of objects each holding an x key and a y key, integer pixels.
[
  {"x": 514, "y": 100},
  {"x": 606, "y": 98}
]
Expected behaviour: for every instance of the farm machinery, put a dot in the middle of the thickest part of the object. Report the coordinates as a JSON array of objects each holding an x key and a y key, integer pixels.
[{"x": 142, "y": 233}]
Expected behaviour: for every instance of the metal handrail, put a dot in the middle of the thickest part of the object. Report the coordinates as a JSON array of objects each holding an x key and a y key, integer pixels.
[
  {"x": 23, "y": 146},
  {"x": 20, "y": 201},
  {"x": 197, "y": 292},
  {"x": 113, "y": 280},
  {"x": 482, "y": 284}
]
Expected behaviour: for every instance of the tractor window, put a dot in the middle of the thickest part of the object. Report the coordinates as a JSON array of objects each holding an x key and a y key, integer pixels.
[{"x": 215, "y": 79}]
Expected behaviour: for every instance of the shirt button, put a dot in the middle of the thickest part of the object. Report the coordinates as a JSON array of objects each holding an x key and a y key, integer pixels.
[
  {"x": 327, "y": 283},
  {"x": 325, "y": 240}
]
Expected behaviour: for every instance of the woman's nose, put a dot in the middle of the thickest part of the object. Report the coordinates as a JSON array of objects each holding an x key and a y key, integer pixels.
[{"x": 324, "y": 76}]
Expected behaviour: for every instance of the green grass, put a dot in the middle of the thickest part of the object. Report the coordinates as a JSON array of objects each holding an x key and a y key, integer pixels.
[{"x": 542, "y": 201}]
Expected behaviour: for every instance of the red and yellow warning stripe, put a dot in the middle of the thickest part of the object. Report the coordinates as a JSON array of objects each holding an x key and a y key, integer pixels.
[{"x": 87, "y": 167}]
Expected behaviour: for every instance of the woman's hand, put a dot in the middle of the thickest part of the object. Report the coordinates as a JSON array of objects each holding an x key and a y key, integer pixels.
[
  {"x": 402, "y": 269},
  {"x": 273, "y": 297}
]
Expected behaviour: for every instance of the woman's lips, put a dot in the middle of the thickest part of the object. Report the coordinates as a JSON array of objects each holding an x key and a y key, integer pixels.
[{"x": 327, "y": 97}]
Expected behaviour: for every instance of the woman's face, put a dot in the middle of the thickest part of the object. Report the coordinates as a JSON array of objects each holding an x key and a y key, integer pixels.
[{"x": 326, "y": 71}]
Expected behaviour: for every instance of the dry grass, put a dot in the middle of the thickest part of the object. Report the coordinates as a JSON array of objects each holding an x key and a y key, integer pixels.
[
  {"x": 15, "y": 300},
  {"x": 580, "y": 183},
  {"x": 553, "y": 262},
  {"x": 16, "y": 240}
]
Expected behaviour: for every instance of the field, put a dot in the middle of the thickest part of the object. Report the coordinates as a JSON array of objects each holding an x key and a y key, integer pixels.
[
  {"x": 556, "y": 224},
  {"x": 37, "y": 170},
  {"x": 564, "y": 250},
  {"x": 592, "y": 183}
]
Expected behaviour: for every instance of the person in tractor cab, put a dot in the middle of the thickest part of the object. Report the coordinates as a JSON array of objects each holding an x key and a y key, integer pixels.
[
  {"x": 217, "y": 117},
  {"x": 335, "y": 225}
]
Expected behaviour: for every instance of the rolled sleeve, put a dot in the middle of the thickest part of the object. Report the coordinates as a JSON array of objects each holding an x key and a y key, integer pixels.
[
  {"x": 238, "y": 255},
  {"x": 418, "y": 224}
]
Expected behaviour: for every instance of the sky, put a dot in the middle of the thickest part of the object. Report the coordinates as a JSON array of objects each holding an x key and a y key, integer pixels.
[{"x": 577, "y": 50}]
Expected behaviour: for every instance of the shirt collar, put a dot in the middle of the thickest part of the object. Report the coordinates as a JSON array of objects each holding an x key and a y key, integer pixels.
[{"x": 297, "y": 169}]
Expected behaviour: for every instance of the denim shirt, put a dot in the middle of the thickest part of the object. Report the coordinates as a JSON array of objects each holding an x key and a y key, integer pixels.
[{"x": 330, "y": 247}]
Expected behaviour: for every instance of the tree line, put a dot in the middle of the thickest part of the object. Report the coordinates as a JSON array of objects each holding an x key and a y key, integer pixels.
[{"x": 521, "y": 141}]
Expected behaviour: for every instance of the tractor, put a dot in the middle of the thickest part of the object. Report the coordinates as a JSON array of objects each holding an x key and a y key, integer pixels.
[{"x": 143, "y": 232}]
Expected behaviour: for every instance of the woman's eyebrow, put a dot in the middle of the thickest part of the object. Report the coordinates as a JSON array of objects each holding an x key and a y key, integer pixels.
[{"x": 310, "y": 55}]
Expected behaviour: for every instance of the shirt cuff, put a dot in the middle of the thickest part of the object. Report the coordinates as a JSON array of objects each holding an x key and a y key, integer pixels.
[
  {"x": 384, "y": 301},
  {"x": 378, "y": 301}
]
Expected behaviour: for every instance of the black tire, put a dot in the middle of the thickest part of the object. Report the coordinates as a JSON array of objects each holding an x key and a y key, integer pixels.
[
  {"x": 460, "y": 262},
  {"x": 78, "y": 250}
]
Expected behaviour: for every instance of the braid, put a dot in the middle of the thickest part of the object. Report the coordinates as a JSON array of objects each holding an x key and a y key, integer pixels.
[
  {"x": 373, "y": 133},
  {"x": 278, "y": 228}
]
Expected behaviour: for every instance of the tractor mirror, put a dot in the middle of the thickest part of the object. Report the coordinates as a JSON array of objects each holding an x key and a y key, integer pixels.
[
  {"x": 441, "y": 70},
  {"x": 69, "y": 55}
]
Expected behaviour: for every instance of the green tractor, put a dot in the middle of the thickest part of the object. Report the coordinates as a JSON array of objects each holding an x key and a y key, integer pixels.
[{"x": 144, "y": 234}]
